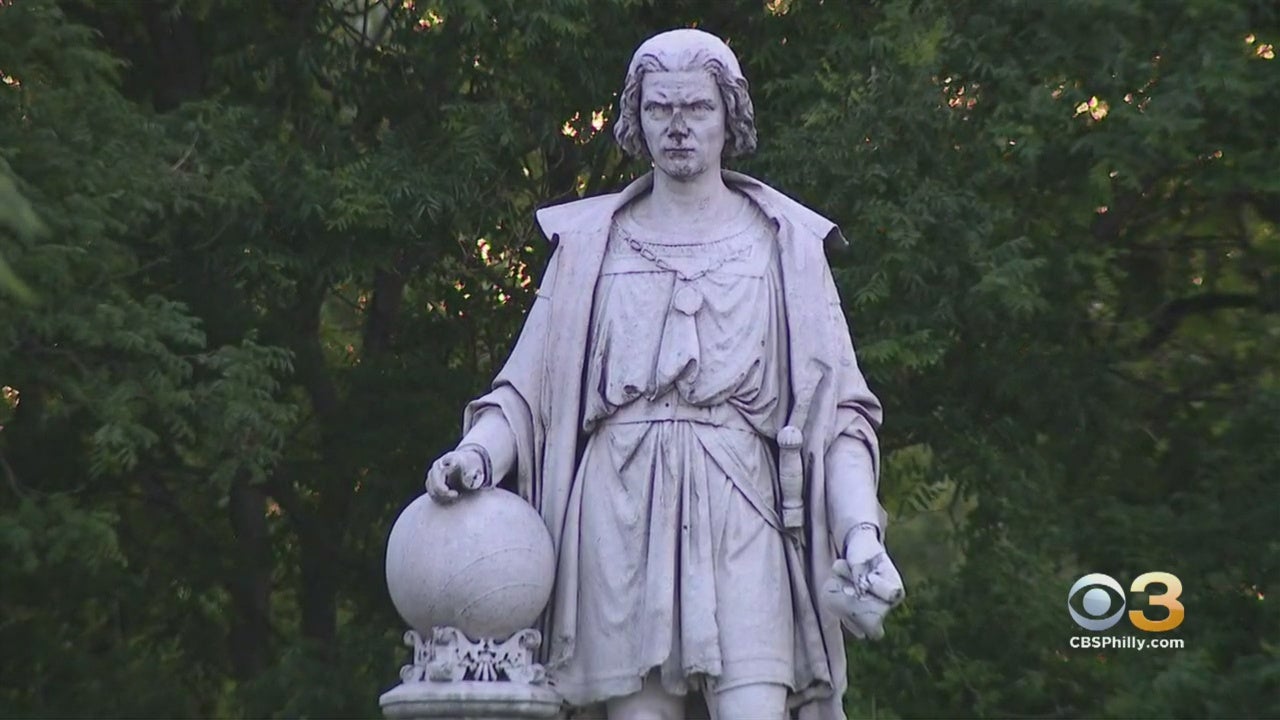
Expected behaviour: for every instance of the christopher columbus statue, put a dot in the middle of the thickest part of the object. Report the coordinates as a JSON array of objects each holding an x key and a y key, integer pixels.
[{"x": 685, "y": 411}]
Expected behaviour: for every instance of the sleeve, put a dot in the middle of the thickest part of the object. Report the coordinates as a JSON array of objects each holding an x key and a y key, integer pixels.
[
  {"x": 853, "y": 454},
  {"x": 516, "y": 399}
]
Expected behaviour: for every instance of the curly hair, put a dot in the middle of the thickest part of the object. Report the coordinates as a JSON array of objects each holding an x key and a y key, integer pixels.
[{"x": 709, "y": 53}]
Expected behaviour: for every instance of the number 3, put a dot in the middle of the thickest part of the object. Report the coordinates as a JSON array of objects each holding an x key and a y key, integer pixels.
[{"x": 1167, "y": 599}]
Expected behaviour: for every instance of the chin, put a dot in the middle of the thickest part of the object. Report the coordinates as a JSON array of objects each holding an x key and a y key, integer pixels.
[{"x": 683, "y": 170}]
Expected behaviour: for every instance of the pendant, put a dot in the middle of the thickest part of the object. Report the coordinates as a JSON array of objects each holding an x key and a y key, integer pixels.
[{"x": 687, "y": 300}]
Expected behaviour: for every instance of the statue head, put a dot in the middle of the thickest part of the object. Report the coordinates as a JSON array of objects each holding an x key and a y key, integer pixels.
[{"x": 685, "y": 104}]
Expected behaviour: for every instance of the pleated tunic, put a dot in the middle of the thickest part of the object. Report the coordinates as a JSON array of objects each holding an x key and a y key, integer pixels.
[{"x": 682, "y": 564}]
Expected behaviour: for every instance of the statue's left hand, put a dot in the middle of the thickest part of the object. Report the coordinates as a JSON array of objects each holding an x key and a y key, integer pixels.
[{"x": 864, "y": 586}]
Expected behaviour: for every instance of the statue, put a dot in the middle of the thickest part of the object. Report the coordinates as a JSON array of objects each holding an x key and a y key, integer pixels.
[{"x": 684, "y": 410}]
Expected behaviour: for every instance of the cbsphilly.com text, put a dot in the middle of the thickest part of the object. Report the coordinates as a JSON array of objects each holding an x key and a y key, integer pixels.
[{"x": 1125, "y": 642}]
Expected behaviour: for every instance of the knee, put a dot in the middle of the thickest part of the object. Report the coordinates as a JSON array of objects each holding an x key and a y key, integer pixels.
[{"x": 761, "y": 700}]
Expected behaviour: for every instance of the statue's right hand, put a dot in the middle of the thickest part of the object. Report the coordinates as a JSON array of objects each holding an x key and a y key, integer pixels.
[{"x": 455, "y": 471}]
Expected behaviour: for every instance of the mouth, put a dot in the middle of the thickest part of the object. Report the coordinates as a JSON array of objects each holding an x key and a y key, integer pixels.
[{"x": 678, "y": 152}]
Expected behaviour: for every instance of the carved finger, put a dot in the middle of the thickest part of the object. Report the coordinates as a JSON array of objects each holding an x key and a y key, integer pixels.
[
  {"x": 432, "y": 479},
  {"x": 438, "y": 485},
  {"x": 842, "y": 569}
]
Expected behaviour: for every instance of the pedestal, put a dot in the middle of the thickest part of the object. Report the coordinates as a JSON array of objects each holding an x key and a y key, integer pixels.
[{"x": 455, "y": 678}]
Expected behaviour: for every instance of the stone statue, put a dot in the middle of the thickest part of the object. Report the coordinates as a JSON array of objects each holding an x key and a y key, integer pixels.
[{"x": 684, "y": 410}]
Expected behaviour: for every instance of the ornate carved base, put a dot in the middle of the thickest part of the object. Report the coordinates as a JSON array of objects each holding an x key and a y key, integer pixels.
[
  {"x": 454, "y": 677},
  {"x": 451, "y": 655}
]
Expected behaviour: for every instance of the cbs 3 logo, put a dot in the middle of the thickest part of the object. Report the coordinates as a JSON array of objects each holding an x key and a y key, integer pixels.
[{"x": 1102, "y": 601}]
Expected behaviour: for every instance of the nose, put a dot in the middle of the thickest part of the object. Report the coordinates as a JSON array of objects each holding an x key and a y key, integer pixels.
[{"x": 678, "y": 127}]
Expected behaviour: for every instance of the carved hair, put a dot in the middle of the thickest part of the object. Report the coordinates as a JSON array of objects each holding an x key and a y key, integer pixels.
[{"x": 680, "y": 51}]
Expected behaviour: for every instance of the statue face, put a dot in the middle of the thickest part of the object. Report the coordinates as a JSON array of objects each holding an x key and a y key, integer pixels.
[{"x": 682, "y": 116}]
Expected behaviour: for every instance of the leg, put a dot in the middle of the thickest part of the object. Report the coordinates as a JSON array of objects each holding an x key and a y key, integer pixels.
[
  {"x": 651, "y": 703},
  {"x": 757, "y": 701},
  {"x": 754, "y": 611}
]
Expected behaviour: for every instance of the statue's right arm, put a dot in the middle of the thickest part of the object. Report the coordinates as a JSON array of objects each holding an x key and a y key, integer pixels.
[
  {"x": 492, "y": 432},
  {"x": 486, "y": 455},
  {"x": 499, "y": 427}
]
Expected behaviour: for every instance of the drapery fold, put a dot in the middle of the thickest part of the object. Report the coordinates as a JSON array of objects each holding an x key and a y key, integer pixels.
[{"x": 540, "y": 394}]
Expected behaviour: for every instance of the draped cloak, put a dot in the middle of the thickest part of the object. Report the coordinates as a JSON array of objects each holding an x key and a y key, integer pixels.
[{"x": 540, "y": 394}]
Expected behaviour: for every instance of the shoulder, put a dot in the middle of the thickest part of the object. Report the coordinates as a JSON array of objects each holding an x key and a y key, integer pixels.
[
  {"x": 808, "y": 224},
  {"x": 577, "y": 231},
  {"x": 588, "y": 215}
]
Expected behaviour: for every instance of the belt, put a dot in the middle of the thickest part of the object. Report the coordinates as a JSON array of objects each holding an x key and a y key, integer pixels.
[{"x": 672, "y": 407}]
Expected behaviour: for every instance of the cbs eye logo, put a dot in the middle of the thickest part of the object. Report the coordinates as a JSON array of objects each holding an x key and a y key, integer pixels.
[{"x": 1096, "y": 602}]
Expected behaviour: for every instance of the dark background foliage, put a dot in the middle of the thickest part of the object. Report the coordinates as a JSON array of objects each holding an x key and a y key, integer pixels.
[{"x": 255, "y": 256}]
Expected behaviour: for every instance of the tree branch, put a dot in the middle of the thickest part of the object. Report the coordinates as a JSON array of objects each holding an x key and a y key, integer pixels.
[
  {"x": 12, "y": 477},
  {"x": 1174, "y": 312}
]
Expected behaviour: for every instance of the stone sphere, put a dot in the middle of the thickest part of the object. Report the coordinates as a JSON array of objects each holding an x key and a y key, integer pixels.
[{"x": 483, "y": 564}]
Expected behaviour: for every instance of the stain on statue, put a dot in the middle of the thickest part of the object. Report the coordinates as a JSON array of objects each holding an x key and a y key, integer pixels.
[{"x": 685, "y": 411}]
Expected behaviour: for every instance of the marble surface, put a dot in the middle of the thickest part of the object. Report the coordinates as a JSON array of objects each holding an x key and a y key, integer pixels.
[
  {"x": 470, "y": 700},
  {"x": 483, "y": 564},
  {"x": 685, "y": 412}
]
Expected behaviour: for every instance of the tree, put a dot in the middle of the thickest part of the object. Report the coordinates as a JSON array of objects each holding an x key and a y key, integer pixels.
[{"x": 254, "y": 257}]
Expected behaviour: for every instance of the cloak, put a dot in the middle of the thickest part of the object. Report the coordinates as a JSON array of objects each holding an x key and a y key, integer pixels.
[{"x": 539, "y": 392}]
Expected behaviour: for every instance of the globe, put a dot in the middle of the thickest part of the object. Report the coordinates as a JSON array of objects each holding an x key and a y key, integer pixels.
[{"x": 482, "y": 564}]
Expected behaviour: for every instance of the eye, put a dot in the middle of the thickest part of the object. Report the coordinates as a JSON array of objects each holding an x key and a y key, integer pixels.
[
  {"x": 657, "y": 110},
  {"x": 1096, "y": 602}
]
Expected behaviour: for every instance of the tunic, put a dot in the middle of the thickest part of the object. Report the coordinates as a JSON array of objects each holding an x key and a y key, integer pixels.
[
  {"x": 683, "y": 566},
  {"x": 540, "y": 398}
]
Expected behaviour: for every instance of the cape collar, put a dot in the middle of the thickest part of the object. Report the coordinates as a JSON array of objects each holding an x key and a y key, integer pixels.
[
  {"x": 644, "y": 184},
  {"x": 776, "y": 206}
]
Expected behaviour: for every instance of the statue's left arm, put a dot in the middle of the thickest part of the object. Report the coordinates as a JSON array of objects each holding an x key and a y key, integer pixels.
[
  {"x": 853, "y": 455},
  {"x": 852, "y": 505},
  {"x": 865, "y": 584}
]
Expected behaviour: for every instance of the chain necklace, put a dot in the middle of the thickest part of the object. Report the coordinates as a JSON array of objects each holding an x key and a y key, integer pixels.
[{"x": 647, "y": 253}]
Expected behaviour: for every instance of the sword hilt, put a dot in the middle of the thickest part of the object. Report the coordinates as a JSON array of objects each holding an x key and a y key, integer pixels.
[{"x": 791, "y": 476}]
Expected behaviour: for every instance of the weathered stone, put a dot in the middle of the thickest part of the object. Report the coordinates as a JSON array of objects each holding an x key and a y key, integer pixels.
[{"x": 685, "y": 412}]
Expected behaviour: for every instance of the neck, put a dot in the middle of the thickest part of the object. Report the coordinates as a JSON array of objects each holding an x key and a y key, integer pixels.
[{"x": 694, "y": 195}]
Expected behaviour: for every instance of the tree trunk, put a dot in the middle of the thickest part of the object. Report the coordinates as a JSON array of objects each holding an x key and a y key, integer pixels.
[
  {"x": 321, "y": 535},
  {"x": 319, "y": 590},
  {"x": 384, "y": 309},
  {"x": 250, "y": 584}
]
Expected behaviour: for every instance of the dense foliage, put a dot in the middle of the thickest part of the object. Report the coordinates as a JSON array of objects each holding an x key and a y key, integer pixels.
[{"x": 255, "y": 256}]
